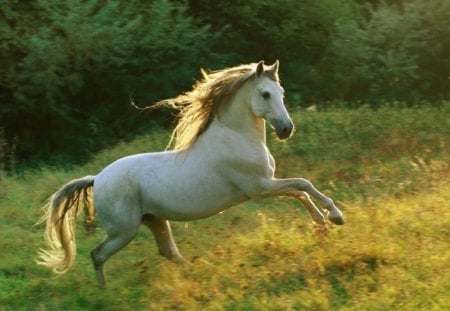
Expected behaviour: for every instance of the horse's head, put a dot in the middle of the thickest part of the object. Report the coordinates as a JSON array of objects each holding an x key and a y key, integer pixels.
[{"x": 267, "y": 100}]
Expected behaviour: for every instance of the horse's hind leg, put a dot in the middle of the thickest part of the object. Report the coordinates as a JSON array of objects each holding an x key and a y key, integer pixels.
[
  {"x": 163, "y": 236},
  {"x": 105, "y": 250},
  {"x": 116, "y": 239}
]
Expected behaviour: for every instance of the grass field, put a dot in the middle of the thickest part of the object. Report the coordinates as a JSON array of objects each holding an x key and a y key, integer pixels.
[{"x": 387, "y": 169}]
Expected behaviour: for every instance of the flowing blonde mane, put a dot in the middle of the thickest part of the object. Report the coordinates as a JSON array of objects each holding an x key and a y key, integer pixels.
[{"x": 198, "y": 107}]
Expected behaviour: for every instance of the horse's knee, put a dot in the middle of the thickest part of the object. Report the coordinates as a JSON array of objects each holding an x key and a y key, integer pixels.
[
  {"x": 100, "y": 253},
  {"x": 97, "y": 259},
  {"x": 304, "y": 185}
]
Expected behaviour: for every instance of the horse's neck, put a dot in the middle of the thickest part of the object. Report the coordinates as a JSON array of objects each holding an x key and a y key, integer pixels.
[{"x": 238, "y": 117}]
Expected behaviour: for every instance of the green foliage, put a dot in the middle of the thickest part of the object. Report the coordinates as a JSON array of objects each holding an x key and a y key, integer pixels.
[
  {"x": 393, "y": 54},
  {"x": 78, "y": 66},
  {"x": 69, "y": 69}
]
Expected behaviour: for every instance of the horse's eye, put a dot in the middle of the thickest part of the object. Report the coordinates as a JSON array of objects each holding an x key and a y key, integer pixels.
[{"x": 265, "y": 94}]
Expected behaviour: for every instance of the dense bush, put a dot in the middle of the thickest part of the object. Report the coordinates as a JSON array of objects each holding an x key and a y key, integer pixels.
[
  {"x": 68, "y": 69},
  {"x": 397, "y": 53}
]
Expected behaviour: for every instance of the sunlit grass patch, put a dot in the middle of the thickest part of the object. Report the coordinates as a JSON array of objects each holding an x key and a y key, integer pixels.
[{"x": 385, "y": 258}]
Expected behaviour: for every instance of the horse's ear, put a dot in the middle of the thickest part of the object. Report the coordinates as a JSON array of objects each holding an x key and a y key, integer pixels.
[
  {"x": 274, "y": 67},
  {"x": 260, "y": 69}
]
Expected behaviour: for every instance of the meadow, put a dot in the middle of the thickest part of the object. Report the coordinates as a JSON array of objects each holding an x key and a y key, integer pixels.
[{"x": 387, "y": 169}]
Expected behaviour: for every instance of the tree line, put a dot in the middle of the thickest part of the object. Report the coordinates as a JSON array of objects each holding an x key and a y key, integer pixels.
[{"x": 69, "y": 69}]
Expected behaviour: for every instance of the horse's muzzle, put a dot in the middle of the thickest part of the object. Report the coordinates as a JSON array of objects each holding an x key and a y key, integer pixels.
[{"x": 284, "y": 130}]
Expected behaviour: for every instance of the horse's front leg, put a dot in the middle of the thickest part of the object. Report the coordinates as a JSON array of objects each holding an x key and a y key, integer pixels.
[
  {"x": 315, "y": 213},
  {"x": 277, "y": 187}
]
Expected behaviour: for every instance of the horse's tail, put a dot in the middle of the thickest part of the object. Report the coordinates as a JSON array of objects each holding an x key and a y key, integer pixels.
[{"x": 61, "y": 214}]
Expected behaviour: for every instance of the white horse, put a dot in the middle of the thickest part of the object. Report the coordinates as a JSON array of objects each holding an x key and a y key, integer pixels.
[{"x": 220, "y": 159}]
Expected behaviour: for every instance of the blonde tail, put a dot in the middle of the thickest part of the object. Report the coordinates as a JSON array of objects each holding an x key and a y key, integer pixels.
[{"x": 61, "y": 214}]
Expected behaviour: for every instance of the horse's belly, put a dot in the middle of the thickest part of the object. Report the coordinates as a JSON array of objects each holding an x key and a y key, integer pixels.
[{"x": 191, "y": 199}]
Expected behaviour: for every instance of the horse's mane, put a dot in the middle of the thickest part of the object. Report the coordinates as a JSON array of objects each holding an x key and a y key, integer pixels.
[{"x": 198, "y": 107}]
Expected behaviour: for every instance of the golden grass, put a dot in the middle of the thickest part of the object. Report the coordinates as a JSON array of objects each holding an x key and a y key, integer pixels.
[{"x": 391, "y": 255}]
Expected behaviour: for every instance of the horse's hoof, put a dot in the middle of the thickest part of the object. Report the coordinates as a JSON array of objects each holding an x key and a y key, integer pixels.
[
  {"x": 337, "y": 220},
  {"x": 179, "y": 259}
]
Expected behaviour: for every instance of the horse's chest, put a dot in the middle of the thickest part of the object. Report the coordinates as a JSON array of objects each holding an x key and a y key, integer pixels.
[{"x": 261, "y": 164}]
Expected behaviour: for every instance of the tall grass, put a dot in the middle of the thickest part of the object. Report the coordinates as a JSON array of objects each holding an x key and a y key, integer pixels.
[{"x": 388, "y": 170}]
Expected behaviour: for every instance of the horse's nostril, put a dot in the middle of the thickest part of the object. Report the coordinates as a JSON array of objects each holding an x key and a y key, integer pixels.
[{"x": 285, "y": 132}]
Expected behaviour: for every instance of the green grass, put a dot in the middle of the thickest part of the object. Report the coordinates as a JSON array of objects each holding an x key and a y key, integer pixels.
[{"x": 388, "y": 170}]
